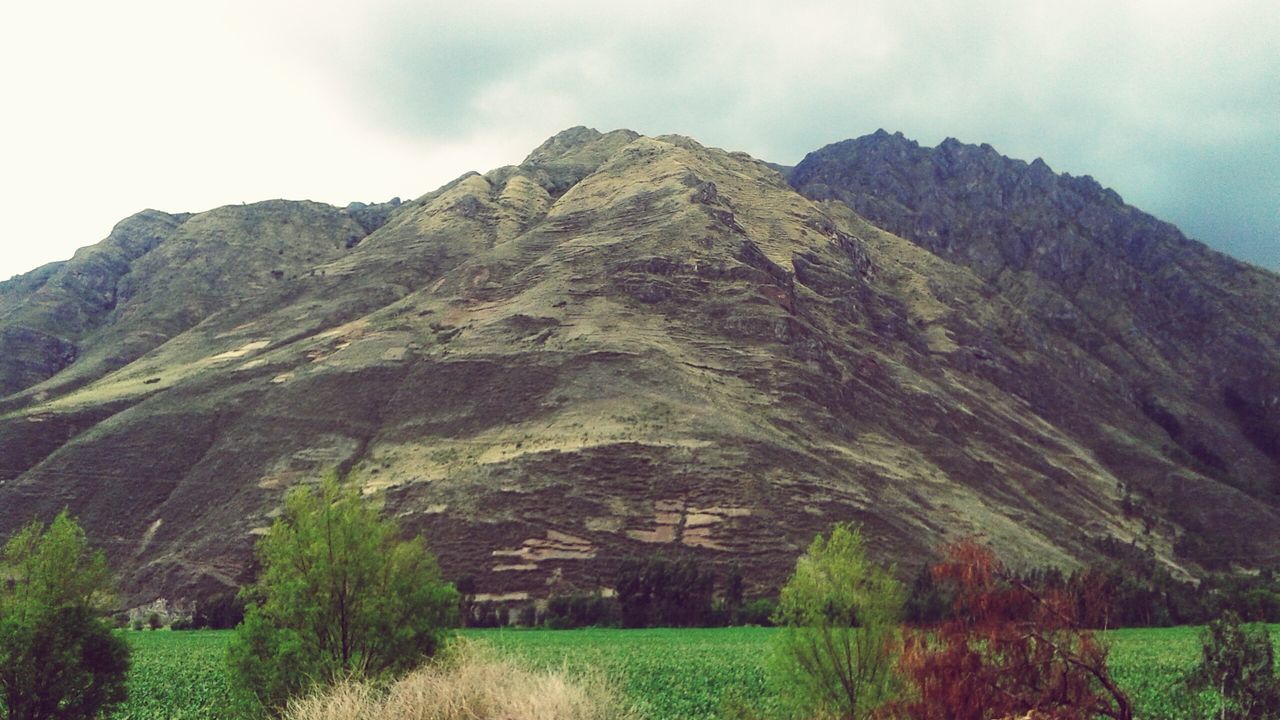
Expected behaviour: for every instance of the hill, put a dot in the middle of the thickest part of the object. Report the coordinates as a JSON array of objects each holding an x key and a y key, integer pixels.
[{"x": 627, "y": 345}]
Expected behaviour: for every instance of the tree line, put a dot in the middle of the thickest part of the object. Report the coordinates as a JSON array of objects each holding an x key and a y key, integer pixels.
[{"x": 659, "y": 591}]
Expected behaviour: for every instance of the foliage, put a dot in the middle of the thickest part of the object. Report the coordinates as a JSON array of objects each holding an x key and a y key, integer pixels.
[
  {"x": 839, "y": 613},
  {"x": 472, "y": 682},
  {"x": 735, "y": 588},
  {"x": 484, "y": 614},
  {"x": 339, "y": 594},
  {"x": 527, "y": 615},
  {"x": 58, "y": 656},
  {"x": 759, "y": 611},
  {"x": 220, "y": 612},
  {"x": 1135, "y": 589},
  {"x": 1008, "y": 649},
  {"x": 579, "y": 609},
  {"x": 660, "y": 592},
  {"x": 1239, "y": 664},
  {"x": 927, "y": 602},
  {"x": 687, "y": 674}
]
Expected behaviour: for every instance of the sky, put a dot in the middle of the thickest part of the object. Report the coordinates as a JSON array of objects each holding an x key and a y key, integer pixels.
[{"x": 113, "y": 107}]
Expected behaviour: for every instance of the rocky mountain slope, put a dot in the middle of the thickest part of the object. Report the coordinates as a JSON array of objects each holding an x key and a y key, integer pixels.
[
  {"x": 627, "y": 345},
  {"x": 1185, "y": 334}
]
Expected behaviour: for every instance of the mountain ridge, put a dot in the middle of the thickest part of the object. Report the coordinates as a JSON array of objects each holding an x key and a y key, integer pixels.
[{"x": 627, "y": 345}]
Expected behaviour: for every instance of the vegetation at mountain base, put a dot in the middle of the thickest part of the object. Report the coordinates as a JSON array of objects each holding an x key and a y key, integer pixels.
[
  {"x": 664, "y": 593},
  {"x": 665, "y": 674},
  {"x": 1131, "y": 591},
  {"x": 1008, "y": 649},
  {"x": 839, "y": 640},
  {"x": 59, "y": 659},
  {"x": 1238, "y": 663},
  {"x": 339, "y": 595},
  {"x": 470, "y": 682}
]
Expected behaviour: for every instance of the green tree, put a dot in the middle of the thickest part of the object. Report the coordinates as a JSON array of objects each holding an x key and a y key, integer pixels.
[
  {"x": 58, "y": 656},
  {"x": 835, "y": 655},
  {"x": 339, "y": 594},
  {"x": 664, "y": 593},
  {"x": 1238, "y": 662}
]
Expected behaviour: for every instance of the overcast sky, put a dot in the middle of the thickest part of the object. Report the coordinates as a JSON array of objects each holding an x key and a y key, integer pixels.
[{"x": 112, "y": 107}]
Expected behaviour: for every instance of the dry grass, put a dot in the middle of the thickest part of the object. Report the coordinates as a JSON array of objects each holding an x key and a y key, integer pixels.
[{"x": 473, "y": 683}]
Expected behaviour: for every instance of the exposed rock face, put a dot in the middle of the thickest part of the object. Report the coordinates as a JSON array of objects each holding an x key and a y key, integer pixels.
[
  {"x": 1179, "y": 332},
  {"x": 623, "y": 345}
]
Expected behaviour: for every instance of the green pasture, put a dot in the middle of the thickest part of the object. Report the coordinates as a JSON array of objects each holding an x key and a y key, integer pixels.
[{"x": 668, "y": 674}]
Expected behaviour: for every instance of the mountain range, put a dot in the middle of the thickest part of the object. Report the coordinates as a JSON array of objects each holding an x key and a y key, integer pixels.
[{"x": 630, "y": 345}]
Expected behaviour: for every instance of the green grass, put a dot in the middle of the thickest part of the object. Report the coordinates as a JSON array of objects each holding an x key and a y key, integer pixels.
[
  {"x": 667, "y": 674},
  {"x": 176, "y": 676}
]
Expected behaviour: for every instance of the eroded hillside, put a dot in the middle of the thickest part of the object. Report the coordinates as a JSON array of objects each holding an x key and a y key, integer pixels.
[{"x": 623, "y": 345}]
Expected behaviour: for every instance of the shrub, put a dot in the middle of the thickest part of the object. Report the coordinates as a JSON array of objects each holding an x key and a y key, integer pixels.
[
  {"x": 579, "y": 609},
  {"x": 1238, "y": 663},
  {"x": 58, "y": 656},
  {"x": 928, "y": 602},
  {"x": 527, "y": 616},
  {"x": 470, "y": 683},
  {"x": 154, "y": 622},
  {"x": 758, "y": 612},
  {"x": 835, "y": 656},
  {"x": 339, "y": 594},
  {"x": 1007, "y": 649}
]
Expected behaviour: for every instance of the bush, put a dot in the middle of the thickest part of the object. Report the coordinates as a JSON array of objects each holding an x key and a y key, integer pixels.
[
  {"x": 579, "y": 610},
  {"x": 339, "y": 594},
  {"x": 927, "y": 602},
  {"x": 527, "y": 616},
  {"x": 58, "y": 655},
  {"x": 758, "y": 612},
  {"x": 839, "y": 612},
  {"x": 1007, "y": 649},
  {"x": 1238, "y": 663},
  {"x": 471, "y": 683},
  {"x": 154, "y": 622}
]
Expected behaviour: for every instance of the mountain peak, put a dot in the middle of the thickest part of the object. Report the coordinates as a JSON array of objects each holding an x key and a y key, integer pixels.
[
  {"x": 567, "y": 144},
  {"x": 632, "y": 345}
]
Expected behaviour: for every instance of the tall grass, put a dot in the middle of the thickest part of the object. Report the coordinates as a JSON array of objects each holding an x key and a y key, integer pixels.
[{"x": 471, "y": 683}]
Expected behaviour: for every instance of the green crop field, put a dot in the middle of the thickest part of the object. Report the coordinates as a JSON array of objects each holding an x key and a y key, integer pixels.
[
  {"x": 177, "y": 675},
  {"x": 667, "y": 674}
]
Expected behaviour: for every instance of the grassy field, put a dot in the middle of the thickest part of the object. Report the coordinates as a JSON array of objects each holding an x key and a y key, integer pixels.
[
  {"x": 177, "y": 675},
  {"x": 668, "y": 674}
]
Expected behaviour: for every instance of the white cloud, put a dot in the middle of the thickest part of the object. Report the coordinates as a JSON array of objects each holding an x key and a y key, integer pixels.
[{"x": 128, "y": 105}]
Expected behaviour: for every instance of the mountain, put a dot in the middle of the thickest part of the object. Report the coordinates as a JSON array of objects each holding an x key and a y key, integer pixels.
[
  {"x": 1158, "y": 322},
  {"x": 628, "y": 345}
]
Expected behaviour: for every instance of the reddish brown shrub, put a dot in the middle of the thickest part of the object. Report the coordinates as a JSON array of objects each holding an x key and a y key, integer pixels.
[{"x": 1008, "y": 650}]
